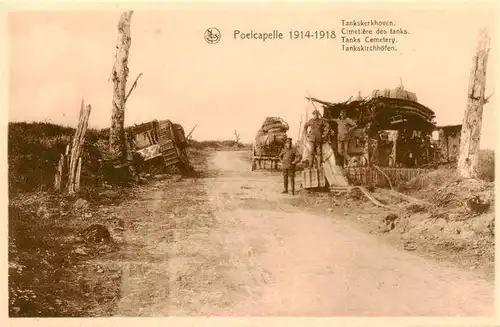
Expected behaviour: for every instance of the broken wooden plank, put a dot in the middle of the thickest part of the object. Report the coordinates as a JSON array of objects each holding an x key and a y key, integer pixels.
[
  {"x": 78, "y": 174},
  {"x": 59, "y": 174},
  {"x": 77, "y": 147},
  {"x": 332, "y": 172}
]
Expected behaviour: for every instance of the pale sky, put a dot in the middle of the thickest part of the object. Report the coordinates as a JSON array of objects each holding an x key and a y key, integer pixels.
[{"x": 56, "y": 58}]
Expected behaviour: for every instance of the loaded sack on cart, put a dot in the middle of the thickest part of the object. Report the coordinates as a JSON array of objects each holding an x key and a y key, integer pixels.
[{"x": 269, "y": 142}]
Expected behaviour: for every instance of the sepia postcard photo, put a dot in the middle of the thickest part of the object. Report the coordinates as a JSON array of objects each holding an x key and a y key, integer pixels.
[{"x": 252, "y": 160}]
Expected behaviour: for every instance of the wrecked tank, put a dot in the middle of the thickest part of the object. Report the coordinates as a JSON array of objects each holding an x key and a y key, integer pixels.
[
  {"x": 163, "y": 142},
  {"x": 393, "y": 138}
]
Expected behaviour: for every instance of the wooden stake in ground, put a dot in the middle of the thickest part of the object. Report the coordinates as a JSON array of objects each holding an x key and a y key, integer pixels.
[
  {"x": 77, "y": 150},
  {"x": 471, "y": 127},
  {"x": 78, "y": 174},
  {"x": 117, "y": 139},
  {"x": 58, "y": 183}
]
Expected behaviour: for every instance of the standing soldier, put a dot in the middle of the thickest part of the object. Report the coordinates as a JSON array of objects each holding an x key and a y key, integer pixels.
[
  {"x": 289, "y": 157},
  {"x": 345, "y": 126},
  {"x": 320, "y": 130}
]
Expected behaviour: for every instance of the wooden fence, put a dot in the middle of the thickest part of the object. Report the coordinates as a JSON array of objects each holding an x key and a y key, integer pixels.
[{"x": 371, "y": 175}]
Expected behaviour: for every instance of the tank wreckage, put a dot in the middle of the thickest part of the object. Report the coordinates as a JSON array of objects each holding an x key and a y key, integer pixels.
[{"x": 392, "y": 139}]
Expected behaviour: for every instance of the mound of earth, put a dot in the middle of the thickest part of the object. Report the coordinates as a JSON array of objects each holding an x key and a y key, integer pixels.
[{"x": 459, "y": 217}]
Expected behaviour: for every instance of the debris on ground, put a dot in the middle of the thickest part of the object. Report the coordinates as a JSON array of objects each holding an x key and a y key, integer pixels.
[
  {"x": 441, "y": 214},
  {"x": 390, "y": 221},
  {"x": 80, "y": 251},
  {"x": 410, "y": 246},
  {"x": 457, "y": 217},
  {"x": 97, "y": 233},
  {"x": 54, "y": 240},
  {"x": 161, "y": 177},
  {"x": 81, "y": 204},
  {"x": 110, "y": 194},
  {"x": 415, "y": 208},
  {"x": 48, "y": 253}
]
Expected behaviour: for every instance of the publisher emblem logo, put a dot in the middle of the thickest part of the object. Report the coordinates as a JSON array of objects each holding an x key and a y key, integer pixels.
[{"x": 212, "y": 35}]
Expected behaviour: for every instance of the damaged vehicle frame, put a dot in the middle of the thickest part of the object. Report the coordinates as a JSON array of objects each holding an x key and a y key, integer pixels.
[
  {"x": 393, "y": 137},
  {"x": 160, "y": 145}
]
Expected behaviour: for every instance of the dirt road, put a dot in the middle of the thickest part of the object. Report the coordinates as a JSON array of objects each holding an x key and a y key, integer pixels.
[{"x": 232, "y": 245}]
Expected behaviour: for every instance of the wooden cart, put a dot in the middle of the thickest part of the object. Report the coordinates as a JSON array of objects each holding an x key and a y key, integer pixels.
[{"x": 270, "y": 157}]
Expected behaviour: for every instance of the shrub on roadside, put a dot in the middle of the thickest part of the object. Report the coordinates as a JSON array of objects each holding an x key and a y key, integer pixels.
[
  {"x": 218, "y": 145},
  {"x": 487, "y": 165},
  {"x": 34, "y": 150}
]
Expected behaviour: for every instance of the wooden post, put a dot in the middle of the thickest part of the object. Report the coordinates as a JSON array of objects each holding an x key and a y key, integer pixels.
[
  {"x": 471, "y": 128},
  {"x": 78, "y": 174},
  {"x": 59, "y": 174},
  {"x": 74, "y": 147},
  {"x": 117, "y": 138},
  {"x": 77, "y": 148},
  {"x": 66, "y": 158},
  {"x": 188, "y": 137}
]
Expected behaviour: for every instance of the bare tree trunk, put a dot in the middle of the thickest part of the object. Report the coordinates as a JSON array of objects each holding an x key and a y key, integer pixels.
[
  {"x": 69, "y": 168},
  {"x": 471, "y": 127},
  {"x": 77, "y": 150},
  {"x": 237, "y": 137},
  {"x": 117, "y": 139}
]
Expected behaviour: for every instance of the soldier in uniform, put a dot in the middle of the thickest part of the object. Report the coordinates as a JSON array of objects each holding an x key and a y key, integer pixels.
[
  {"x": 345, "y": 126},
  {"x": 320, "y": 131},
  {"x": 289, "y": 158}
]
